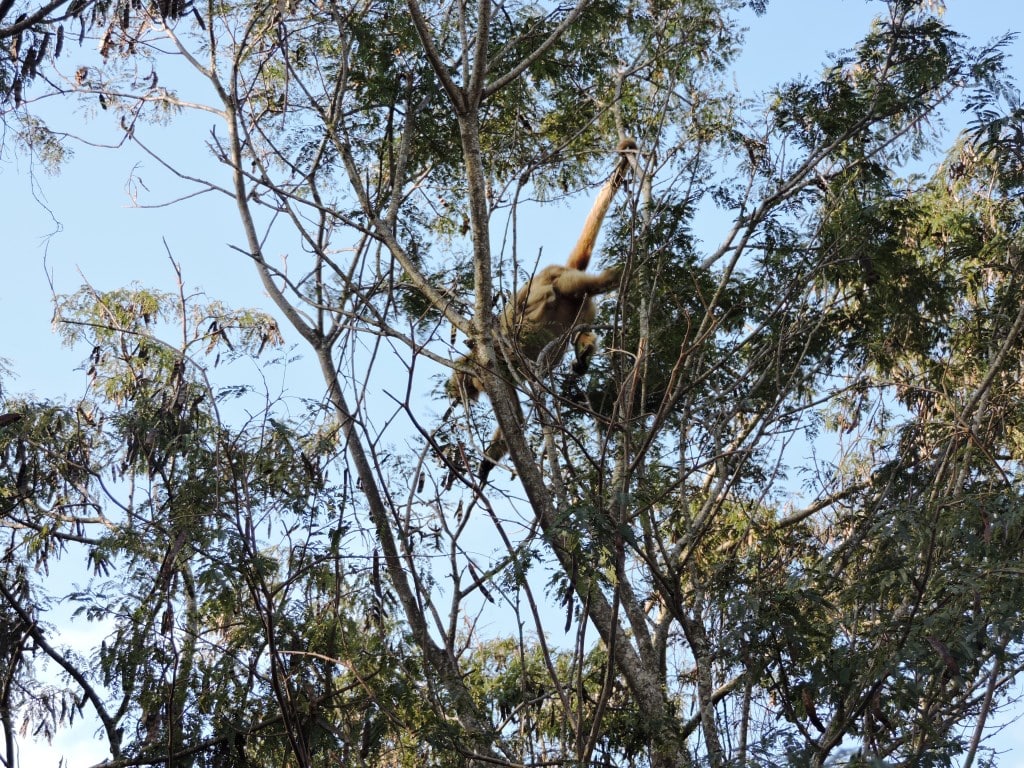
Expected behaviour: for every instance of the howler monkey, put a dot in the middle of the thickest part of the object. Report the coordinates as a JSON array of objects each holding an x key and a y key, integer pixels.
[{"x": 554, "y": 301}]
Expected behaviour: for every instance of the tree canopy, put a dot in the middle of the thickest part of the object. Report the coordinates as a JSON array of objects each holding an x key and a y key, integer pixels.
[{"x": 779, "y": 521}]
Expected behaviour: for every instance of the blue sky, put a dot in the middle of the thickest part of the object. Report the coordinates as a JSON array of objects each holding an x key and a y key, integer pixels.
[{"x": 95, "y": 233}]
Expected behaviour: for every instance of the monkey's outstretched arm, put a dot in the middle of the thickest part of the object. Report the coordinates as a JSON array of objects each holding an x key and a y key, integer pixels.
[{"x": 574, "y": 282}]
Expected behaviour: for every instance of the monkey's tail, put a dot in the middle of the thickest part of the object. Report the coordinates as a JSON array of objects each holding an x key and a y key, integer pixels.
[{"x": 579, "y": 257}]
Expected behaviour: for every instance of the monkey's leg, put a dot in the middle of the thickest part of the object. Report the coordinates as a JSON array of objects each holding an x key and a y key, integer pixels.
[
  {"x": 494, "y": 453},
  {"x": 497, "y": 449}
]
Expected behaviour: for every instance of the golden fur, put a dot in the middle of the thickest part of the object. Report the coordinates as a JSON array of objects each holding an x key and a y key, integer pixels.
[{"x": 555, "y": 300}]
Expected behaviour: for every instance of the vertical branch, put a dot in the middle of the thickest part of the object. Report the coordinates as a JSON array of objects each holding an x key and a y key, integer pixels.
[
  {"x": 475, "y": 86},
  {"x": 693, "y": 628},
  {"x": 986, "y": 704}
]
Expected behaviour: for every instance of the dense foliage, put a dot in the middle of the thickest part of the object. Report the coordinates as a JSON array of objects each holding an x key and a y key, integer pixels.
[{"x": 778, "y": 522}]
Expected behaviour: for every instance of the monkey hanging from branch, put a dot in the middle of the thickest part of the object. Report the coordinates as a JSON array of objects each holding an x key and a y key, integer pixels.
[{"x": 542, "y": 315}]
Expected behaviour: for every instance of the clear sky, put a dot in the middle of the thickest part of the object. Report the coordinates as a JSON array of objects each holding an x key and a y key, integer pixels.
[{"x": 95, "y": 233}]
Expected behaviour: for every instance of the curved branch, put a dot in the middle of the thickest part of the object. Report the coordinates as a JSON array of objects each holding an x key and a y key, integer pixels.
[
  {"x": 34, "y": 18},
  {"x": 109, "y": 724},
  {"x": 539, "y": 51},
  {"x": 458, "y": 98}
]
